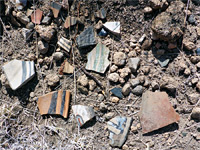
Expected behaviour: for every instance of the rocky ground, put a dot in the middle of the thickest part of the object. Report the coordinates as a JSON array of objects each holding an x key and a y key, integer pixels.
[{"x": 157, "y": 50}]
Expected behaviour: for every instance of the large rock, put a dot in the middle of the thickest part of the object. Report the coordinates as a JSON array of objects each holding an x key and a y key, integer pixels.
[{"x": 168, "y": 25}]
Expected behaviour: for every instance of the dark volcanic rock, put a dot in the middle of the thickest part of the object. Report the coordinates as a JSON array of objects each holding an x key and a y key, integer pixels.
[{"x": 168, "y": 25}]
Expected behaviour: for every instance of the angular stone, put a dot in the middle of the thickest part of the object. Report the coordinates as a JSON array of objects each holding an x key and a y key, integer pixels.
[
  {"x": 68, "y": 68},
  {"x": 193, "y": 98},
  {"x": 134, "y": 64},
  {"x": 52, "y": 79},
  {"x": 168, "y": 25},
  {"x": 20, "y": 4},
  {"x": 83, "y": 80},
  {"x": 18, "y": 72},
  {"x": 27, "y": 33},
  {"x": 156, "y": 111},
  {"x": 138, "y": 90},
  {"x": 54, "y": 103},
  {"x": 43, "y": 47},
  {"x": 114, "y": 77},
  {"x": 117, "y": 92},
  {"x": 65, "y": 4},
  {"x": 119, "y": 127},
  {"x": 189, "y": 45},
  {"x": 70, "y": 21},
  {"x": 196, "y": 113},
  {"x": 134, "y": 82},
  {"x": 101, "y": 13},
  {"x": 148, "y": 10},
  {"x": 30, "y": 25},
  {"x": 113, "y": 27},
  {"x": 37, "y": 16},
  {"x": 124, "y": 72},
  {"x": 65, "y": 44},
  {"x": 92, "y": 85},
  {"x": 119, "y": 58},
  {"x": 46, "y": 20},
  {"x": 45, "y": 32},
  {"x": 191, "y": 19},
  {"x": 163, "y": 61},
  {"x": 86, "y": 38},
  {"x": 83, "y": 114},
  {"x": 22, "y": 18},
  {"x": 29, "y": 12},
  {"x": 155, "y": 4},
  {"x": 98, "y": 59},
  {"x": 55, "y": 7},
  {"x": 168, "y": 83}
]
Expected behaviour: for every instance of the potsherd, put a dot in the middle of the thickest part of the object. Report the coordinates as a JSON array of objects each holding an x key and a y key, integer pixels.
[
  {"x": 18, "y": 72},
  {"x": 119, "y": 127}
]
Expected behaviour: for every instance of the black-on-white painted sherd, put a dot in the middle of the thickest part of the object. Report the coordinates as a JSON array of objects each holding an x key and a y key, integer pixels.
[{"x": 18, "y": 72}]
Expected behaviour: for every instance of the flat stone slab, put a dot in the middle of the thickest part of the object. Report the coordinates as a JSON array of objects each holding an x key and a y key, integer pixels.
[
  {"x": 54, "y": 103},
  {"x": 119, "y": 127},
  {"x": 156, "y": 111},
  {"x": 18, "y": 72},
  {"x": 65, "y": 44},
  {"x": 98, "y": 59},
  {"x": 113, "y": 27},
  {"x": 86, "y": 38},
  {"x": 83, "y": 114}
]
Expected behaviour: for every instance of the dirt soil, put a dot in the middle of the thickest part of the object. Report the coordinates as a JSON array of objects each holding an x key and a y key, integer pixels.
[{"x": 22, "y": 126}]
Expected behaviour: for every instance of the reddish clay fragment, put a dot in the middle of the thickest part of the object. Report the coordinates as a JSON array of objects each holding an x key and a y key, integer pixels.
[
  {"x": 37, "y": 16},
  {"x": 156, "y": 111}
]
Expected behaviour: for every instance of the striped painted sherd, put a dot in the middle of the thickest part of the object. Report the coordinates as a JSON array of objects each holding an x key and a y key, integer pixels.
[
  {"x": 18, "y": 72},
  {"x": 119, "y": 127},
  {"x": 54, "y": 103},
  {"x": 55, "y": 7},
  {"x": 98, "y": 59},
  {"x": 101, "y": 13},
  {"x": 86, "y": 38},
  {"x": 83, "y": 114},
  {"x": 70, "y": 21},
  {"x": 65, "y": 44},
  {"x": 113, "y": 27}
]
